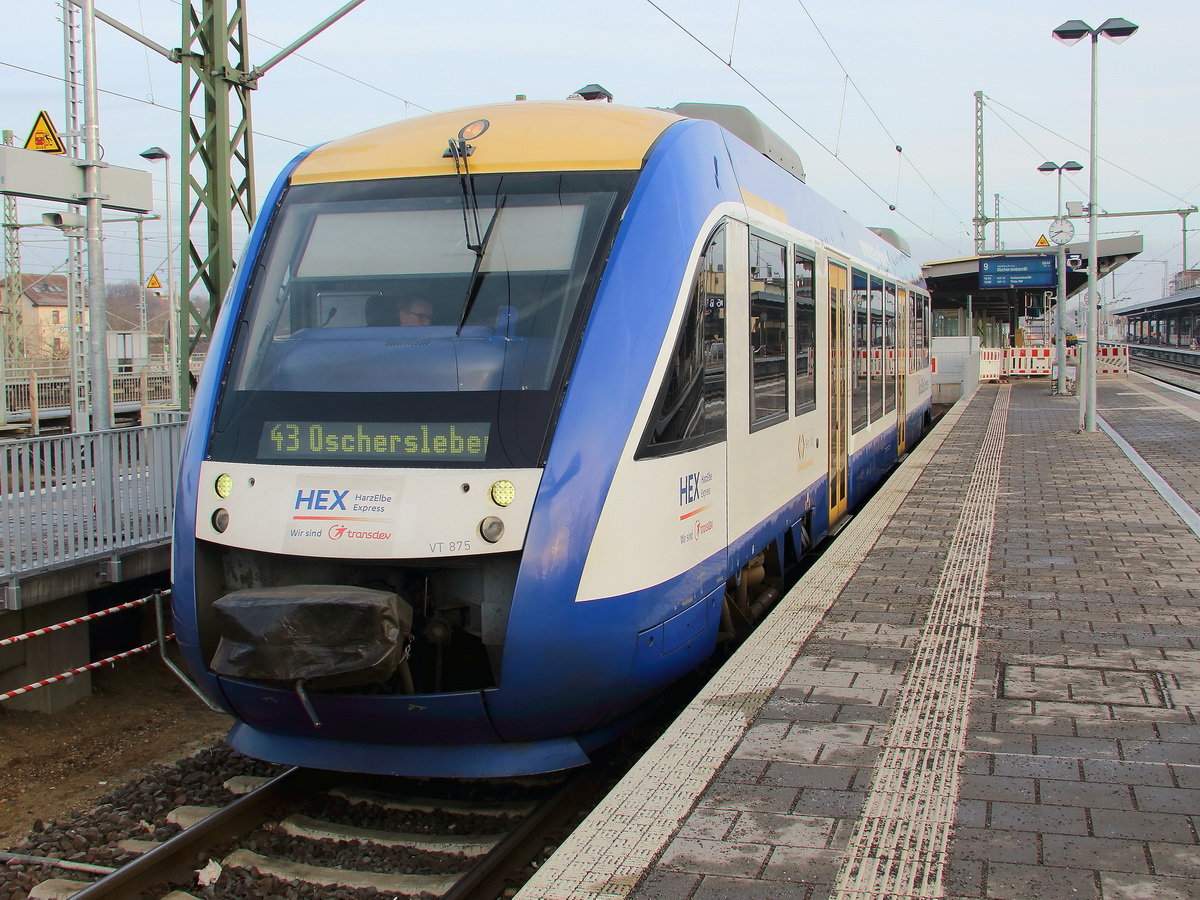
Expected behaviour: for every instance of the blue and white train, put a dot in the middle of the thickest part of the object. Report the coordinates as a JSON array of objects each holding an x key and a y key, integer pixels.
[{"x": 512, "y": 414}]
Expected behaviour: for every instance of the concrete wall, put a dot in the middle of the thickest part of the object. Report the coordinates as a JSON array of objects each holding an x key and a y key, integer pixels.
[
  {"x": 61, "y": 595},
  {"x": 957, "y": 364},
  {"x": 45, "y": 656}
]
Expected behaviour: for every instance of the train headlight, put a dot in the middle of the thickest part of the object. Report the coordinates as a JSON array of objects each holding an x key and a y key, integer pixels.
[
  {"x": 503, "y": 493},
  {"x": 491, "y": 529},
  {"x": 224, "y": 486},
  {"x": 220, "y": 520}
]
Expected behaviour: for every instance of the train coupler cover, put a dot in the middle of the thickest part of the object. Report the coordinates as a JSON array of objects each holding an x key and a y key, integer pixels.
[{"x": 329, "y": 636}]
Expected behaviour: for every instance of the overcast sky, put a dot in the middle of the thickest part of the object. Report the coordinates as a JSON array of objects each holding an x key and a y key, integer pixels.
[{"x": 845, "y": 81}]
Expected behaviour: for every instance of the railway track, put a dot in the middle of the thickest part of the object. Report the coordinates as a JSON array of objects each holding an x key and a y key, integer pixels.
[
  {"x": 307, "y": 833},
  {"x": 1178, "y": 374}
]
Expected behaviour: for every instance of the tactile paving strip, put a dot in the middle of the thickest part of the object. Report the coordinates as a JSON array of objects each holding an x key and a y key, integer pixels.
[
  {"x": 898, "y": 847},
  {"x": 611, "y": 850}
]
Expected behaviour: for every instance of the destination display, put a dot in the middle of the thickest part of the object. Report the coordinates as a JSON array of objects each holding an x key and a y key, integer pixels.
[
  {"x": 396, "y": 441},
  {"x": 1017, "y": 271}
]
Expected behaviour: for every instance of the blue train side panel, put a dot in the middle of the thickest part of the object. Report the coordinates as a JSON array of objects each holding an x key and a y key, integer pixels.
[{"x": 548, "y": 685}]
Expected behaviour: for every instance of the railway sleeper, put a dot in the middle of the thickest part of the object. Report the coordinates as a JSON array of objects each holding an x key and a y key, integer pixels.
[
  {"x": 285, "y": 870},
  {"x": 244, "y": 784},
  {"x": 316, "y": 830}
]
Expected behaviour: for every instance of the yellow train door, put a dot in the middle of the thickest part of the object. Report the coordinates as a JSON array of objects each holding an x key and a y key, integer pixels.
[
  {"x": 839, "y": 374},
  {"x": 903, "y": 360}
]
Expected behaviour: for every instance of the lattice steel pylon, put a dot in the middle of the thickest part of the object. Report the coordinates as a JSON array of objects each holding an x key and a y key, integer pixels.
[
  {"x": 77, "y": 336},
  {"x": 11, "y": 328},
  {"x": 218, "y": 171},
  {"x": 981, "y": 218}
]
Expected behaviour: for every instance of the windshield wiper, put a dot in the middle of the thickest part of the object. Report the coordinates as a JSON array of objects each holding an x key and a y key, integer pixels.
[
  {"x": 476, "y": 270},
  {"x": 459, "y": 150}
]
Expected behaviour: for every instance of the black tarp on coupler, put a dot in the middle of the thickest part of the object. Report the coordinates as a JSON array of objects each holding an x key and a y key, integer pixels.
[{"x": 326, "y": 635}]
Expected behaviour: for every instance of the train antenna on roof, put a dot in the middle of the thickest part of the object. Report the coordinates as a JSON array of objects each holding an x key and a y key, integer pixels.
[{"x": 591, "y": 92}]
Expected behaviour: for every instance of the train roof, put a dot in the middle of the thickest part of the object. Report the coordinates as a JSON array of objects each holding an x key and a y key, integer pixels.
[
  {"x": 750, "y": 128},
  {"x": 522, "y": 136},
  {"x": 578, "y": 135}
]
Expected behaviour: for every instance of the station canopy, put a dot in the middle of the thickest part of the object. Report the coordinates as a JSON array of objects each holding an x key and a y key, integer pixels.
[
  {"x": 952, "y": 281},
  {"x": 1185, "y": 299}
]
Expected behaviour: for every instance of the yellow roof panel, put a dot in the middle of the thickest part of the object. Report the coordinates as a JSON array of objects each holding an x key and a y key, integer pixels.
[{"x": 521, "y": 137}]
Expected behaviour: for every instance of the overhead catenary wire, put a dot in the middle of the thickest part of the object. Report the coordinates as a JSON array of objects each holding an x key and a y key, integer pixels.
[
  {"x": 308, "y": 59},
  {"x": 257, "y": 133},
  {"x": 733, "y": 37},
  {"x": 850, "y": 81},
  {"x": 153, "y": 103},
  {"x": 993, "y": 101},
  {"x": 837, "y": 144},
  {"x": 892, "y": 207},
  {"x": 146, "y": 51}
]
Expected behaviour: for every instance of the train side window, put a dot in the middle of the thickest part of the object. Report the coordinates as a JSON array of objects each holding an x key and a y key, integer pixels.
[
  {"x": 875, "y": 356},
  {"x": 920, "y": 326},
  {"x": 690, "y": 411},
  {"x": 805, "y": 325},
  {"x": 768, "y": 332},
  {"x": 914, "y": 331},
  {"x": 911, "y": 306},
  {"x": 861, "y": 349}
]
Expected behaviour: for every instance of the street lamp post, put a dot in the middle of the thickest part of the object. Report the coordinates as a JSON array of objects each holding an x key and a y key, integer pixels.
[
  {"x": 154, "y": 154},
  {"x": 1061, "y": 232},
  {"x": 1071, "y": 33}
]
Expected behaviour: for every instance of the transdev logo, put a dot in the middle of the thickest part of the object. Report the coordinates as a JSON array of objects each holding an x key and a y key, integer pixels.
[
  {"x": 317, "y": 504},
  {"x": 337, "y": 532}
]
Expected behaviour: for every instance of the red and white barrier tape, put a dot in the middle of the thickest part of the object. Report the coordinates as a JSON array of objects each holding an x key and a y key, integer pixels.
[
  {"x": 61, "y": 625},
  {"x": 101, "y": 662}
]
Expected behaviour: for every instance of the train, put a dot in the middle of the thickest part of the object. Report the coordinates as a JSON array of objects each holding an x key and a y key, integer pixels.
[{"x": 514, "y": 415}]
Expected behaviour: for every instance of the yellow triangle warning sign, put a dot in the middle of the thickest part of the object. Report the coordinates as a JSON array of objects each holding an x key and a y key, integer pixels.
[
  {"x": 1042, "y": 242},
  {"x": 44, "y": 137},
  {"x": 154, "y": 284}
]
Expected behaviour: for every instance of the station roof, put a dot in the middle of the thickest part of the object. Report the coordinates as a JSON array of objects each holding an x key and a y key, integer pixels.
[
  {"x": 1189, "y": 297},
  {"x": 951, "y": 281}
]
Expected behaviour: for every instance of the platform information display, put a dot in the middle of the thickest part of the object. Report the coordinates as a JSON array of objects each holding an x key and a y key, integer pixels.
[{"x": 1017, "y": 272}]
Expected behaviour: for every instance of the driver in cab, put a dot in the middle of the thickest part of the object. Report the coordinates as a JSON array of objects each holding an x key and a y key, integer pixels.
[{"x": 409, "y": 312}]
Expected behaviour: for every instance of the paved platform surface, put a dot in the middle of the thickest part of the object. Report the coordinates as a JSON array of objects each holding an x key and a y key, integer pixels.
[{"x": 988, "y": 688}]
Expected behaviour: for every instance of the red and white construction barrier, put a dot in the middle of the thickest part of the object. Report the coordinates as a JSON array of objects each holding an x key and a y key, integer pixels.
[
  {"x": 1027, "y": 360},
  {"x": 61, "y": 625},
  {"x": 1112, "y": 360},
  {"x": 95, "y": 665},
  {"x": 65, "y": 675},
  {"x": 991, "y": 363}
]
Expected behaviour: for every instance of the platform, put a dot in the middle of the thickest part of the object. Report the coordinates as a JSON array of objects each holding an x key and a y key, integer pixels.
[{"x": 987, "y": 688}]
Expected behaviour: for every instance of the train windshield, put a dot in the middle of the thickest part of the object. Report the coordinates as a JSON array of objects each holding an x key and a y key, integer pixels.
[{"x": 422, "y": 322}]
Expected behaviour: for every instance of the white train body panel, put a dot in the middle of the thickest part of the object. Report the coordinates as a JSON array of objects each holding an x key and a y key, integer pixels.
[{"x": 362, "y": 513}]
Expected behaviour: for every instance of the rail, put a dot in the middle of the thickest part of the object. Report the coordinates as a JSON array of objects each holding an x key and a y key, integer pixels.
[
  {"x": 179, "y": 856},
  {"x": 70, "y": 498},
  {"x": 1180, "y": 356}
]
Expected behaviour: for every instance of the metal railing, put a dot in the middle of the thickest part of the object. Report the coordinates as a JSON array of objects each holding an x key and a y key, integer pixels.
[
  {"x": 51, "y": 389},
  {"x": 69, "y": 498}
]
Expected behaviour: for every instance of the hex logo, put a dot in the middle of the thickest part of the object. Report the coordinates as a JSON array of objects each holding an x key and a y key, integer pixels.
[{"x": 321, "y": 499}]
